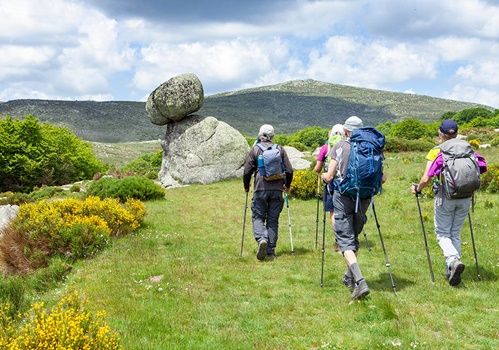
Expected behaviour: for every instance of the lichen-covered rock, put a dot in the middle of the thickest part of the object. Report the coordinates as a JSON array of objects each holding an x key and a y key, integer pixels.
[
  {"x": 175, "y": 99},
  {"x": 297, "y": 158},
  {"x": 201, "y": 150},
  {"x": 7, "y": 214}
]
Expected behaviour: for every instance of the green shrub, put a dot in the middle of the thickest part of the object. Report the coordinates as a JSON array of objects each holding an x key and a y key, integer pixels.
[
  {"x": 147, "y": 165},
  {"x": 395, "y": 144},
  {"x": 17, "y": 198},
  {"x": 250, "y": 140},
  {"x": 495, "y": 141},
  {"x": 35, "y": 154},
  {"x": 489, "y": 181},
  {"x": 312, "y": 137},
  {"x": 129, "y": 187},
  {"x": 410, "y": 129},
  {"x": 304, "y": 184},
  {"x": 46, "y": 192},
  {"x": 298, "y": 145},
  {"x": 75, "y": 188},
  {"x": 281, "y": 139}
]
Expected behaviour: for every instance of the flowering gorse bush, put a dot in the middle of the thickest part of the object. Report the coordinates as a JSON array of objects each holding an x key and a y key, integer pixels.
[
  {"x": 72, "y": 228},
  {"x": 304, "y": 184},
  {"x": 67, "y": 326}
]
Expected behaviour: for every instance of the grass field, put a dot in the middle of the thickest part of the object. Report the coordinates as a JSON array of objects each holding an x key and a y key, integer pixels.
[
  {"x": 119, "y": 154},
  {"x": 210, "y": 298}
]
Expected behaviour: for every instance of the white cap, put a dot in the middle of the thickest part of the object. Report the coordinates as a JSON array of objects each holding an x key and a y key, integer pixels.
[
  {"x": 337, "y": 129},
  {"x": 266, "y": 130},
  {"x": 353, "y": 123}
]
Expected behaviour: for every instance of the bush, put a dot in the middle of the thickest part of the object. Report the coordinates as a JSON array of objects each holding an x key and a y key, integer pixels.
[
  {"x": 395, "y": 144},
  {"x": 298, "y": 145},
  {"x": 67, "y": 326},
  {"x": 129, "y": 187},
  {"x": 475, "y": 144},
  {"x": 495, "y": 141},
  {"x": 410, "y": 129},
  {"x": 489, "y": 181},
  {"x": 304, "y": 184},
  {"x": 35, "y": 154},
  {"x": 281, "y": 139},
  {"x": 70, "y": 228},
  {"x": 147, "y": 165},
  {"x": 312, "y": 137}
]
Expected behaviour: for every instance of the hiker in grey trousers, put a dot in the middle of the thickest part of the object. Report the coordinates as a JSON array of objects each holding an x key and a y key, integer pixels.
[
  {"x": 449, "y": 213},
  {"x": 267, "y": 202}
]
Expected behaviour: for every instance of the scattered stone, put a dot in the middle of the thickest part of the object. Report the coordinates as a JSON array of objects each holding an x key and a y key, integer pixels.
[
  {"x": 7, "y": 214},
  {"x": 297, "y": 158},
  {"x": 156, "y": 279},
  {"x": 175, "y": 99},
  {"x": 485, "y": 145}
]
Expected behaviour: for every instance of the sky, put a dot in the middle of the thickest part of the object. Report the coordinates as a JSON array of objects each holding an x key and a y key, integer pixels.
[{"x": 122, "y": 50}]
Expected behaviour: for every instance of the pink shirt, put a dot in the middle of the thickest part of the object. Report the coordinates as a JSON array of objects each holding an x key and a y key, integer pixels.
[
  {"x": 322, "y": 155},
  {"x": 438, "y": 163}
]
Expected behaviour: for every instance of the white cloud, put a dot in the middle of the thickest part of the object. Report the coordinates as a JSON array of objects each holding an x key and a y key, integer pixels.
[
  {"x": 352, "y": 61},
  {"x": 223, "y": 62},
  {"x": 475, "y": 94}
]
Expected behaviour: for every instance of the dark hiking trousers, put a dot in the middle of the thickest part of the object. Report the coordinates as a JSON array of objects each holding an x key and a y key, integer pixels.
[
  {"x": 347, "y": 223},
  {"x": 266, "y": 207}
]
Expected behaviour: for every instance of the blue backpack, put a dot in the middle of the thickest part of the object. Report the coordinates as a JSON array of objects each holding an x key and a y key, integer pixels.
[
  {"x": 269, "y": 162},
  {"x": 365, "y": 166}
]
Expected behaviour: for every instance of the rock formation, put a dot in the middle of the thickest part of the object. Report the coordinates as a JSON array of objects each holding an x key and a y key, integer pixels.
[
  {"x": 175, "y": 99},
  {"x": 196, "y": 149}
]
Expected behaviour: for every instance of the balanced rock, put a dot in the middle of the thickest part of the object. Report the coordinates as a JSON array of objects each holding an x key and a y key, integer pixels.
[
  {"x": 201, "y": 150},
  {"x": 175, "y": 99}
]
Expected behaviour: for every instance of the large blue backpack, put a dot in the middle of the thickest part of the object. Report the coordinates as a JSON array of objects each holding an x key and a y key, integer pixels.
[{"x": 365, "y": 166}]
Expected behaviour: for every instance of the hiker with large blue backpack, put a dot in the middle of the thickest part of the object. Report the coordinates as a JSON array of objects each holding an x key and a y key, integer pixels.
[
  {"x": 356, "y": 166},
  {"x": 273, "y": 173},
  {"x": 454, "y": 170}
]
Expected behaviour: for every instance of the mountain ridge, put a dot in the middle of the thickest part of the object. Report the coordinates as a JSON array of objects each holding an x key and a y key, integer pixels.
[{"x": 288, "y": 106}]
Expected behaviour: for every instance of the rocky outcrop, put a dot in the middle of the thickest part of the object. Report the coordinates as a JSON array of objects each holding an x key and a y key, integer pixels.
[
  {"x": 296, "y": 158},
  {"x": 201, "y": 150},
  {"x": 175, "y": 99},
  {"x": 7, "y": 214}
]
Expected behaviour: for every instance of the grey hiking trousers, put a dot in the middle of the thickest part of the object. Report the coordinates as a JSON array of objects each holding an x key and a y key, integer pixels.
[
  {"x": 266, "y": 207},
  {"x": 347, "y": 223},
  {"x": 449, "y": 218}
]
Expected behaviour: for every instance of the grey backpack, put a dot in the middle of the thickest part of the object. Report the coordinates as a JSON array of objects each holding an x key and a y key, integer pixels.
[
  {"x": 460, "y": 173},
  {"x": 270, "y": 163}
]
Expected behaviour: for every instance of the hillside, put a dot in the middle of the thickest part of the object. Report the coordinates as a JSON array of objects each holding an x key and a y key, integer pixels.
[{"x": 289, "y": 106}]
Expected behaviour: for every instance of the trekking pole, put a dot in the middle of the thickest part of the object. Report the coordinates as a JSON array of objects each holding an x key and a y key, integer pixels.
[
  {"x": 387, "y": 262},
  {"x": 244, "y": 222},
  {"x": 289, "y": 225},
  {"x": 425, "y": 240},
  {"x": 317, "y": 211},
  {"x": 474, "y": 248},
  {"x": 323, "y": 232}
]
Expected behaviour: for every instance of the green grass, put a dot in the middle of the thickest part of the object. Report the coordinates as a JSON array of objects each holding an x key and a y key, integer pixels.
[
  {"x": 119, "y": 154},
  {"x": 210, "y": 298}
]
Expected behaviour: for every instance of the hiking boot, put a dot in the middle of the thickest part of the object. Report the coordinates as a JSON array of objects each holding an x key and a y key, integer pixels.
[
  {"x": 262, "y": 249},
  {"x": 270, "y": 257},
  {"x": 361, "y": 290},
  {"x": 348, "y": 282},
  {"x": 456, "y": 269}
]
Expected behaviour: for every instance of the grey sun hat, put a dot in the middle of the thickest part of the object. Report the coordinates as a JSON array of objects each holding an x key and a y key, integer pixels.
[
  {"x": 353, "y": 123},
  {"x": 266, "y": 131}
]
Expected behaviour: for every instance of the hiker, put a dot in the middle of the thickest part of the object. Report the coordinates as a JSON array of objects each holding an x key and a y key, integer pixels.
[
  {"x": 273, "y": 175},
  {"x": 452, "y": 203},
  {"x": 349, "y": 212},
  {"x": 335, "y": 135}
]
